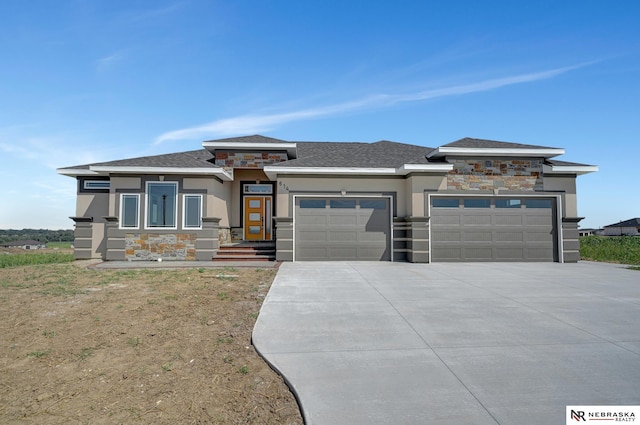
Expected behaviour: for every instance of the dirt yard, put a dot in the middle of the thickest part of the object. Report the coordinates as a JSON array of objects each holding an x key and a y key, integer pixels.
[{"x": 84, "y": 346}]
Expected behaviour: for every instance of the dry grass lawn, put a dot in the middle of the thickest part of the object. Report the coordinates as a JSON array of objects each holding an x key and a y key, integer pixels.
[{"x": 83, "y": 346}]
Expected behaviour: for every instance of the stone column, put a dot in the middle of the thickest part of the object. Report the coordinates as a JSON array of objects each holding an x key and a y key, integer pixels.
[
  {"x": 83, "y": 238},
  {"x": 207, "y": 242},
  {"x": 116, "y": 245},
  {"x": 284, "y": 238},
  {"x": 418, "y": 239},
  {"x": 570, "y": 239}
]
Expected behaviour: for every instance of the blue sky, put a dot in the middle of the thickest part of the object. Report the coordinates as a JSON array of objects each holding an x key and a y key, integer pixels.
[{"x": 88, "y": 81}]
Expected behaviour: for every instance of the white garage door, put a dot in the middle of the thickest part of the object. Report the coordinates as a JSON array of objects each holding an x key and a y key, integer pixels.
[
  {"x": 340, "y": 229},
  {"x": 493, "y": 229}
]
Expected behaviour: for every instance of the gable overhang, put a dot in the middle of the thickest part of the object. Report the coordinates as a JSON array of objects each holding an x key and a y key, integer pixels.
[
  {"x": 274, "y": 171},
  {"x": 444, "y": 151},
  {"x": 576, "y": 170},
  {"x": 221, "y": 173},
  {"x": 290, "y": 148},
  {"x": 78, "y": 172}
]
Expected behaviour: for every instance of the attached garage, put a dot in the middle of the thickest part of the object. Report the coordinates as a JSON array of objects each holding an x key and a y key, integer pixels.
[
  {"x": 342, "y": 228},
  {"x": 493, "y": 229}
]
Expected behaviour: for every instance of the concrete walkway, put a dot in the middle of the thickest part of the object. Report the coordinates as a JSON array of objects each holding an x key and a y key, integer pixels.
[
  {"x": 120, "y": 265},
  {"x": 396, "y": 343}
]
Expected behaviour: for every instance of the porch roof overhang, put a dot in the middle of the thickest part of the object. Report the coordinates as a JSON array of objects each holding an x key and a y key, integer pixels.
[
  {"x": 577, "y": 170},
  {"x": 273, "y": 171},
  {"x": 444, "y": 151}
]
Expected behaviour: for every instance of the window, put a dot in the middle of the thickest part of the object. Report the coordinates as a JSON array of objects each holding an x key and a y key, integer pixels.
[
  {"x": 312, "y": 203},
  {"x": 258, "y": 188},
  {"x": 192, "y": 214},
  {"x": 129, "y": 211},
  {"x": 477, "y": 203},
  {"x": 161, "y": 204},
  {"x": 508, "y": 203},
  {"x": 537, "y": 203},
  {"x": 376, "y": 204},
  {"x": 97, "y": 184},
  {"x": 342, "y": 203},
  {"x": 445, "y": 203}
]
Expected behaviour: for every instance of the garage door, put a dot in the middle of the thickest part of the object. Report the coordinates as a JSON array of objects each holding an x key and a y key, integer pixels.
[
  {"x": 493, "y": 229},
  {"x": 342, "y": 229}
]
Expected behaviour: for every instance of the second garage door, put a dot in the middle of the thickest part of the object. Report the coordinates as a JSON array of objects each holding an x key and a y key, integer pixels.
[
  {"x": 493, "y": 229},
  {"x": 342, "y": 229}
]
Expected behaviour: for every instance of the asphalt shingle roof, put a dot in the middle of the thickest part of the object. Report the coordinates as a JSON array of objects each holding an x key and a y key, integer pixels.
[
  {"x": 200, "y": 158},
  {"x": 382, "y": 154},
  {"x": 469, "y": 142},
  {"x": 256, "y": 138},
  {"x": 556, "y": 162}
]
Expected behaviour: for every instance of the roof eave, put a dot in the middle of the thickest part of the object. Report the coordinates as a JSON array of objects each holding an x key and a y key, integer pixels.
[
  {"x": 443, "y": 151},
  {"x": 273, "y": 171},
  {"x": 77, "y": 172},
  {"x": 425, "y": 168},
  {"x": 218, "y": 172},
  {"x": 577, "y": 170}
]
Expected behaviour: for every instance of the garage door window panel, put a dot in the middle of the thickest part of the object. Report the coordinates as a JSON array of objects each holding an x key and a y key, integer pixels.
[
  {"x": 341, "y": 203},
  {"x": 477, "y": 203},
  {"x": 313, "y": 203},
  {"x": 445, "y": 203},
  {"x": 373, "y": 204},
  {"x": 537, "y": 203},
  {"x": 508, "y": 203}
]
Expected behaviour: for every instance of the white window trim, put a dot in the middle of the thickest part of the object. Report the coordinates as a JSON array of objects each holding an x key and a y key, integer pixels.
[
  {"x": 146, "y": 207},
  {"x": 121, "y": 225},
  {"x": 184, "y": 211}
]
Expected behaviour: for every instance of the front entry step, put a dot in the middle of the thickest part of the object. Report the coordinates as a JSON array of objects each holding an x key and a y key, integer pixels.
[{"x": 247, "y": 251}]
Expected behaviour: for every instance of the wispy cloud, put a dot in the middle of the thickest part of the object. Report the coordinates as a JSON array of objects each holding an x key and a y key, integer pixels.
[
  {"x": 108, "y": 62},
  {"x": 255, "y": 123}
]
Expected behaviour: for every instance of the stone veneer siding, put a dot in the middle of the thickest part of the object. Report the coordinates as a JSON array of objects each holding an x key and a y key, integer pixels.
[
  {"x": 150, "y": 246},
  {"x": 490, "y": 174},
  {"x": 248, "y": 159}
]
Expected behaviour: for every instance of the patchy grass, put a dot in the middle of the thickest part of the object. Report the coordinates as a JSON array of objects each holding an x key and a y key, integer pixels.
[
  {"x": 18, "y": 259},
  {"x": 611, "y": 249},
  {"x": 135, "y": 346}
]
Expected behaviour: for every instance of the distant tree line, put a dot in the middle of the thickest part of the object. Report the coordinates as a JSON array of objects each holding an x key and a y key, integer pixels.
[{"x": 42, "y": 235}]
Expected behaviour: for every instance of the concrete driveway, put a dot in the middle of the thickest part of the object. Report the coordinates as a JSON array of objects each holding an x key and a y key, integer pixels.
[{"x": 396, "y": 343}]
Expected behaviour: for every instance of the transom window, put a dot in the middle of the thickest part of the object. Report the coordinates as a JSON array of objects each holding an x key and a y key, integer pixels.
[
  {"x": 162, "y": 204},
  {"x": 258, "y": 188},
  {"x": 97, "y": 184}
]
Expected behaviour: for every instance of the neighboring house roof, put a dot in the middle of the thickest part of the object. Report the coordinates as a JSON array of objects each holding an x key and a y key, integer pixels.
[
  {"x": 383, "y": 157},
  {"x": 634, "y": 222}
]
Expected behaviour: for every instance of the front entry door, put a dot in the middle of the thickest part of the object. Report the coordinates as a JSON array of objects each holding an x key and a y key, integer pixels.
[{"x": 257, "y": 218}]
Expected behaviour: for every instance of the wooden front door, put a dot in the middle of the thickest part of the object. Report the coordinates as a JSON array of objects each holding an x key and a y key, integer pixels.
[{"x": 257, "y": 218}]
